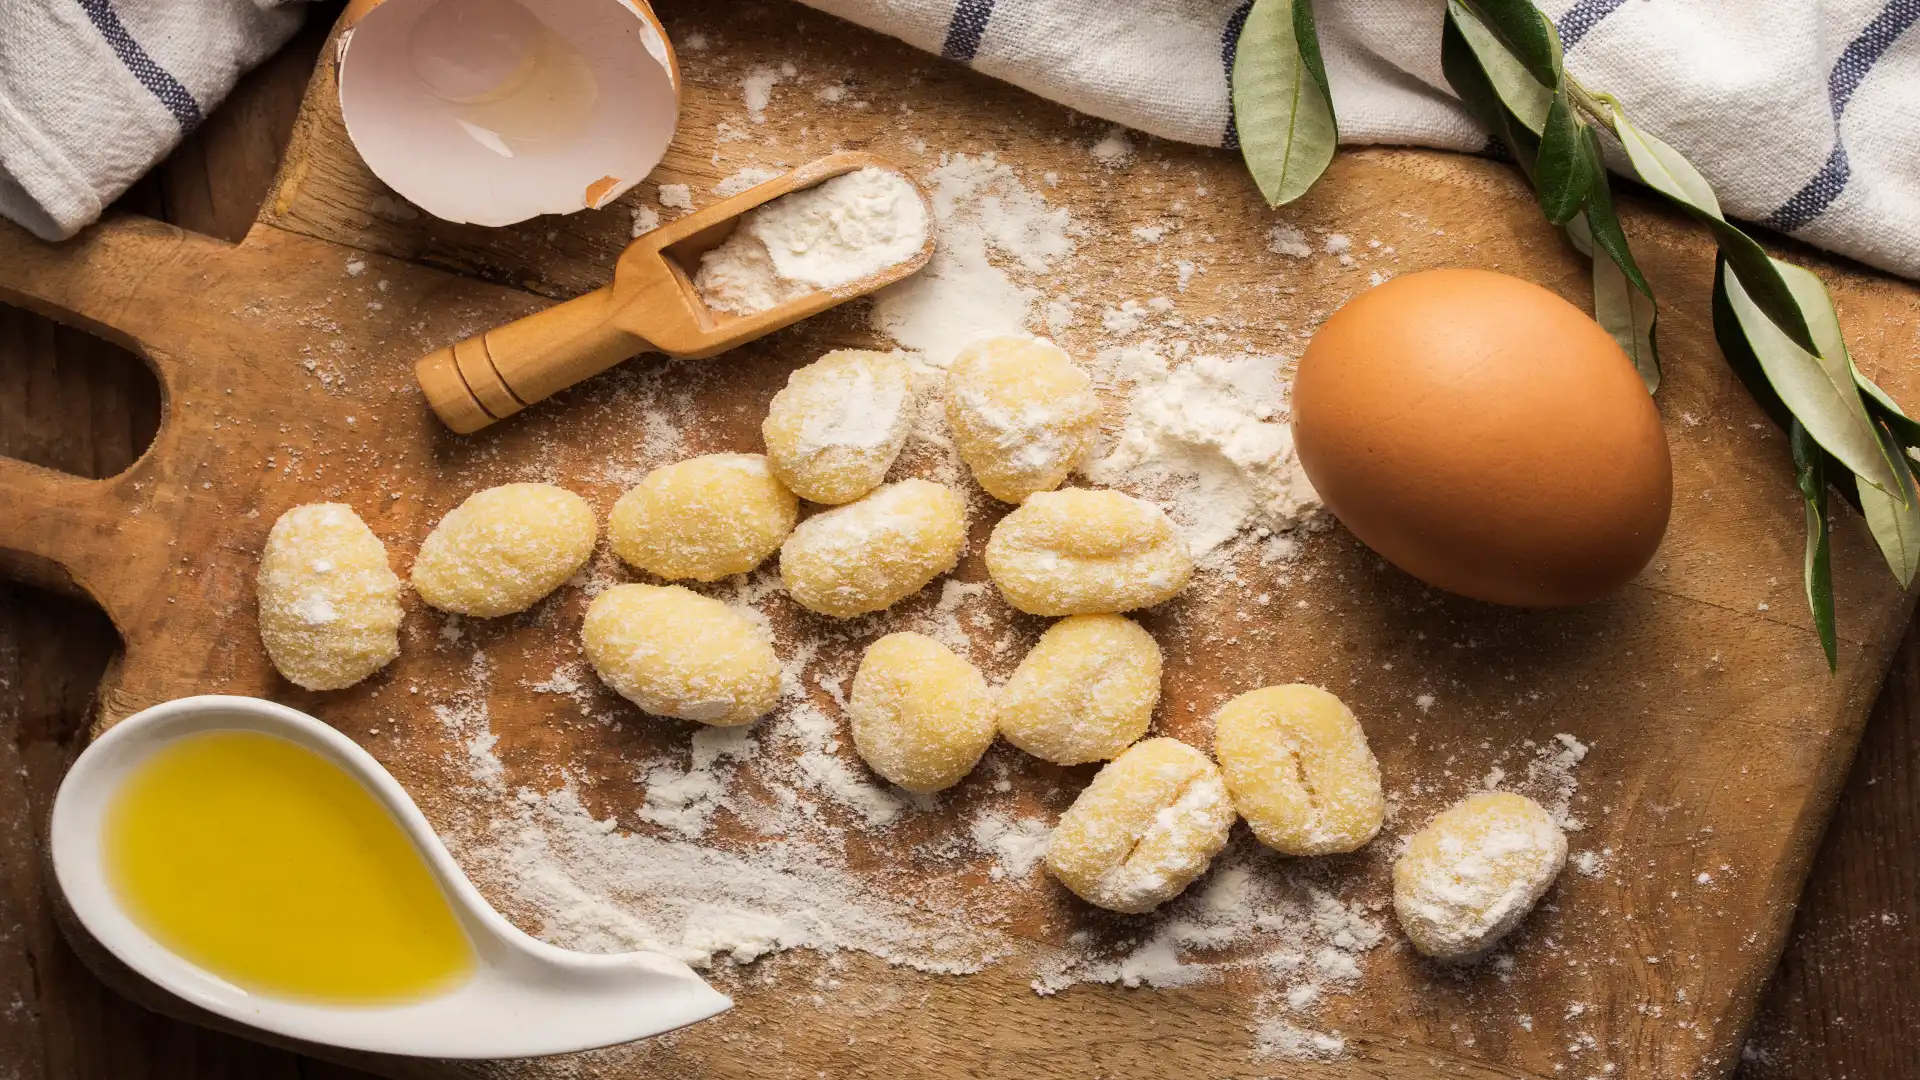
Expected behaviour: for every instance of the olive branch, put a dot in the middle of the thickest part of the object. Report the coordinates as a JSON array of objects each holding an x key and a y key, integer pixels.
[{"x": 1774, "y": 321}]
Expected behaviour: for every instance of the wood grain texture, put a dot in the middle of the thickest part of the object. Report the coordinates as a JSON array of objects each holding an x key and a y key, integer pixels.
[
  {"x": 1705, "y": 598},
  {"x": 1843, "y": 1004}
]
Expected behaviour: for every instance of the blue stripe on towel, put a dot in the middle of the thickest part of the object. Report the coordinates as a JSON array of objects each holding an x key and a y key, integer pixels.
[
  {"x": 162, "y": 84},
  {"x": 1582, "y": 17},
  {"x": 1855, "y": 62},
  {"x": 969, "y": 25},
  {"x": 1229, "y": 48}
]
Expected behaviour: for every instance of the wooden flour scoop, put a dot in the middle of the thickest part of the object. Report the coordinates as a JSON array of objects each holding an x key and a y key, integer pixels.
[{"x": 651, "y": 306}]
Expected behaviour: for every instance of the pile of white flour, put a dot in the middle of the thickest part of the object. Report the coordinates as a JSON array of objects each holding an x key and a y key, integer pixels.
[
  {"x": 1207, "y": 437},
  {"x": 964, "y": 294}
]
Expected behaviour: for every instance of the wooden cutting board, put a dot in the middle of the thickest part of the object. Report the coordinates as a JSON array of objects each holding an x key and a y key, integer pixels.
[{"x": 1717, "y": 738}]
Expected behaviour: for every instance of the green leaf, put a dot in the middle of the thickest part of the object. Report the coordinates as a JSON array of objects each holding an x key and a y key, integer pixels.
[
  {"x": 1817, "y": 389},
  {"x": 1603, "y": 222},
  {"x": 1527, "y": 35},
  {"x": 1580, "y": 234},
  {"x": 1281, "y": 103},
  {"x": 1761, "y": 279},
  {"x": 1732, "y": 339},
  {"x": 1565, "y": 175},
  {"x": 1817, "y": 569},
  {"x": 1666, "y": 171},
  {"x": 1622, "y": 299},
  {"x": 1462, "y": 69},
  {"x": 1905, "y": 431},
  {"x": 1895, "y": 523},
  {"x": 1662, "y": 167},
  {"x": 1515, "y": 86},
  {"x": 1629, "y": 315},
  {"x": 1307, "y": 35}
]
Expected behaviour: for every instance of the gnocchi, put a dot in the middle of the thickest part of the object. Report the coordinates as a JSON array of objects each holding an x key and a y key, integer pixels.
[
  {"x": 1299, "y": 769},
  {"x": 704, "y": 518},
  {"x": 868, "y": 554},
  {"x": 504, "y": 549},
  {"x": 1145, "y": 828},
  {"x": 921, "y": 716},
  {"x": 1086, "y": 691},
  {"x": 329, "y": 603},
  {"x": 1081, "y": 552},
  {"x": 835, "y": 429},
  {"x": 1023, "y": 415},
  {"x": 1474, "y": 872},
  {"x": 676, "y": 653}
]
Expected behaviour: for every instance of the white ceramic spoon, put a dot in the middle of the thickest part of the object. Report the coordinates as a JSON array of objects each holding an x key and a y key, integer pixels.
[{"x": 524, "y": 998}]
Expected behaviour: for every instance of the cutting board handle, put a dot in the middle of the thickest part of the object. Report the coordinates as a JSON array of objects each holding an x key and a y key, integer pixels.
[
  {"x": 56, "y": 529},
  {"x": 491, "y": 376},
  {"x": 125, "y": 280}
]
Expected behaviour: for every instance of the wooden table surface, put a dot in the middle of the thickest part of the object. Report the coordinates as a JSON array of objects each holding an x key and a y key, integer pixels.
[{"x": 1839, "y": 1006}]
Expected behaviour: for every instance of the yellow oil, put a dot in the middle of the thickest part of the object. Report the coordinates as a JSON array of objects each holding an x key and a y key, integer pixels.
[{"x": 267, "y": 865}]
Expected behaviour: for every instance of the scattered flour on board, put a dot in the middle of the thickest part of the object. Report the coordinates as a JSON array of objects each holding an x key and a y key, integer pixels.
[
  {"x": 756, "y": 89},
  {"x": 982, "y": 209},
  {"x": 1290, "y": 241},
  {"x": 684, "y": 800},
  {"x": 590, "y": 885},
  {"x": 1279, "y": 1037},
  {"x": 676, "y": 196},
  {"x": 1017, "y": 846},
  {"x": 1114, "y": 150},
  {"x": 751, "y": 176},
  {"x": 1241, "y": 915},
  {"x": 673, "y": 885},
  {"x": 598, "y": 889},
  {"x": 1207, "y": 438}
]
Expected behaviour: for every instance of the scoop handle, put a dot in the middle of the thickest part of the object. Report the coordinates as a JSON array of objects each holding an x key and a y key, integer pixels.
[{"x": 493, "y": 375}]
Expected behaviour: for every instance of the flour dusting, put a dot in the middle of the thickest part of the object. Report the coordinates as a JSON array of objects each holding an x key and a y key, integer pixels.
[
  {"x": 1207, "y": 436},
  {"x": 963, "y": 294}
]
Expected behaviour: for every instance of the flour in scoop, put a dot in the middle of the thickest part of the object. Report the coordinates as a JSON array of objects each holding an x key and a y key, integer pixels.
[{"x": 833, "y": 234}]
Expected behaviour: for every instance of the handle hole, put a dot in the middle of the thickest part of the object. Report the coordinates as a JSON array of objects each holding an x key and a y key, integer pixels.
[{"x": 71, "y": 401}]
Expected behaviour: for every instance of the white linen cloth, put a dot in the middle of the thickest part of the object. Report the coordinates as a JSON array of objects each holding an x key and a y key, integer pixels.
[
  {"x": 1804, "y": 114},
  {"x": 94, "y": 92},
  {"x": 1801, "y": 112}
]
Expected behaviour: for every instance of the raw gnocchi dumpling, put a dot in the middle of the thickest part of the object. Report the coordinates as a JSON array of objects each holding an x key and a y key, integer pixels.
[
  {"x": 1023, "y": 414},
  {"x": 1474, "y": 872},
  {"x": 504, "y": 548},
  {"x": 1085, "y": 692},
  {"x": 1147, "y": 826},
  {"x": 676, "y": 653},
  {"x": 704, "y": 518},
  {"x": 921, "y": 716},
  {"x": 329, "y": 603},
  {"x": 1081, "y": 552},
  {"x": 866, "y": 555},
  {"x": 1299, "y": 770},
  {"x": 833, "y": 431}
]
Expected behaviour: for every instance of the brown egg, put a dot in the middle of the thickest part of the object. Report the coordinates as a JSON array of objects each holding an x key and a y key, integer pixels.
[{"x": 1485, "y": 436}]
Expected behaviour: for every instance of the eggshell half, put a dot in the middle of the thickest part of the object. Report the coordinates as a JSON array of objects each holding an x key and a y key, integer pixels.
[
  {"x": 417, "y": 91},
  {"x": 1485, "y": 436}
]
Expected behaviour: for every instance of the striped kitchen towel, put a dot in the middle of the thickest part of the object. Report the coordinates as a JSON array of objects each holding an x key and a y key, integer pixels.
[
  {"x": 93, "y": 92},
  {"x": 1805, "y": 114}
]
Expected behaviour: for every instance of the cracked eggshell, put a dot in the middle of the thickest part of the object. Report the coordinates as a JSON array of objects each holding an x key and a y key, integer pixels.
[{"x": 490, "y": 112}]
